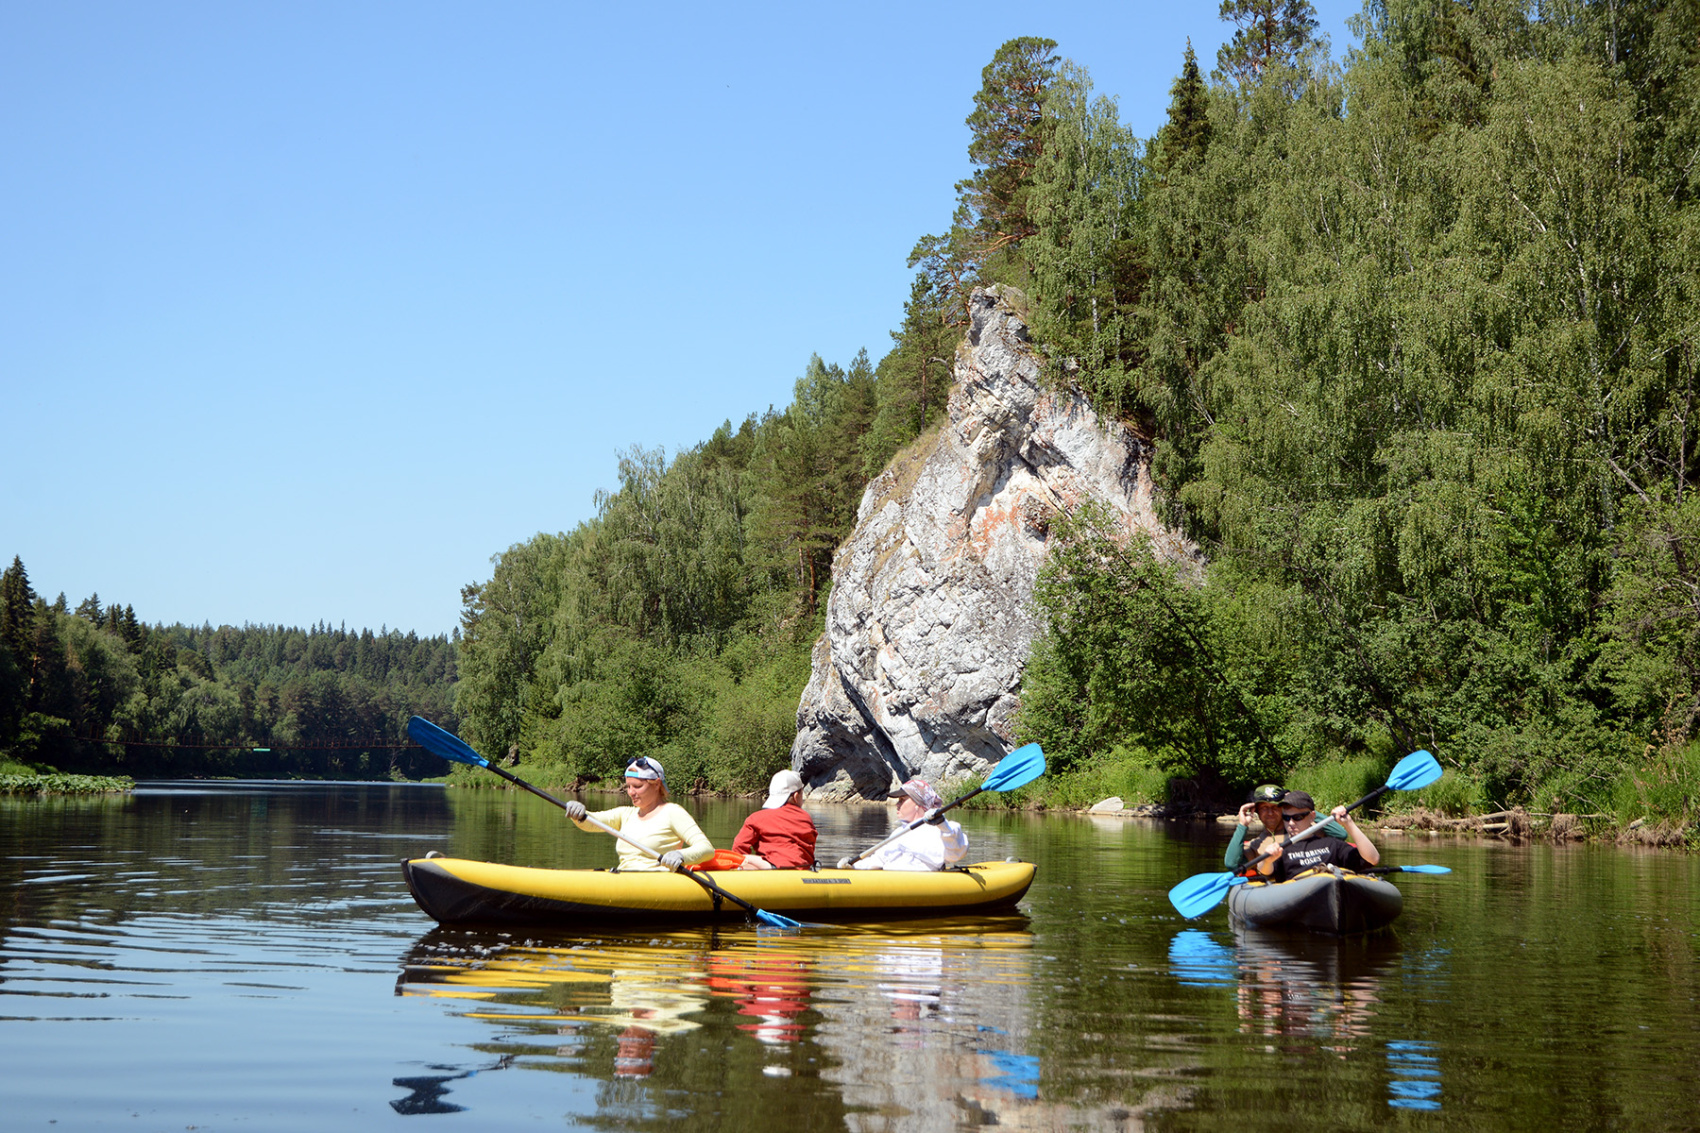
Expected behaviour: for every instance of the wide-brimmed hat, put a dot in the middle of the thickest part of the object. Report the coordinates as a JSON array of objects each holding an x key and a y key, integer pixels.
[
  {"x": 921, "y": 791},
  {"x": 643, "y": 767},
  {"x": 781, "y": 787}
]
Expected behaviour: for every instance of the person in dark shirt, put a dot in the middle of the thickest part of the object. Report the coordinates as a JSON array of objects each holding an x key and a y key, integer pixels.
[
  {"x": 1298, "y": 813},
  {"x": 780, "y": 835},
  {"x": 1265, "y": 807}
]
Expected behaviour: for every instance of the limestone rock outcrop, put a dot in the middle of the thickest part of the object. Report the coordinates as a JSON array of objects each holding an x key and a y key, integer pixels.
[{"x": 930, "y": 616}]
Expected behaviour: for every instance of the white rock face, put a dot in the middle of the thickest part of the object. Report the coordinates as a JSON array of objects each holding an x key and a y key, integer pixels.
[{"x": 930, "y": 619}]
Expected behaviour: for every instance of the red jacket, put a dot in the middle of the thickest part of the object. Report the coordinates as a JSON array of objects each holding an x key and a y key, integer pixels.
[{"x": 785, "y": 836}]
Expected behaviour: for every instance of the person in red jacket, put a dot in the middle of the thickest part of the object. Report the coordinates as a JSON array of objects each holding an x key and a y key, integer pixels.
[{"x": 780, "y": 835}]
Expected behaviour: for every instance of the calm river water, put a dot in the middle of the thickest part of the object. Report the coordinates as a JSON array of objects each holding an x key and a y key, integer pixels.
[{"x": 245, "y": 956}]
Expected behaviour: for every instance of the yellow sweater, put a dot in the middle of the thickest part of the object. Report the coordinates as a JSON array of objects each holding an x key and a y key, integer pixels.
[{"x": 667, "y": 827}]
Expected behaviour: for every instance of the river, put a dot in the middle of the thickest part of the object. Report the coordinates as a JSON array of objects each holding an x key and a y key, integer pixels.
[{"x": 245, "y": 956}]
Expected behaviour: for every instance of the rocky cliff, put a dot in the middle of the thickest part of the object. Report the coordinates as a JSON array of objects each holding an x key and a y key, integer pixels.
[{"x": 930, "y": 620}]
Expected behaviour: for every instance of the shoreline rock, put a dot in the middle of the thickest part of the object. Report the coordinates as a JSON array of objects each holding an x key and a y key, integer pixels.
[{"x": 929, "y": 620}]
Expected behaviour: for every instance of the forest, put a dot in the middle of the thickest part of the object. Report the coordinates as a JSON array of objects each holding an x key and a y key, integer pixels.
[
  {"x": 1412, "y": 333},
  {"x": 95, "y": 691}
]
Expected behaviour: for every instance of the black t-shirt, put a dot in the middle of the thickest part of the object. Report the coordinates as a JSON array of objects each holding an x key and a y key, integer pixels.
[{"x": 1320, "y": 850}]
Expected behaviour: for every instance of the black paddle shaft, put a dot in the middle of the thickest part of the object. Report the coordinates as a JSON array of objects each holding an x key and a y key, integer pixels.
[{"x": 518, "y": 782}]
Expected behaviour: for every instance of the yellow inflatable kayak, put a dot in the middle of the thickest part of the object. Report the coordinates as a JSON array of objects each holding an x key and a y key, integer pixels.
[{"x": 459, "y": 891}]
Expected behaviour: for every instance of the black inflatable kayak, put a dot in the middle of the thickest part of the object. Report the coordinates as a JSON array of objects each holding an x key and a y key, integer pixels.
[{"x": 1323, "y": 900}]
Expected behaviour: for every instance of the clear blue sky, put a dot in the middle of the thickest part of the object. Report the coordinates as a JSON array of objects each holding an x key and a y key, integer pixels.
[{"x": 308, "y": 309}]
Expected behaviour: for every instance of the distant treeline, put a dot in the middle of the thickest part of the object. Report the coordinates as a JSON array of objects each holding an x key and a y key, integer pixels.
[{"x": 95, "y": 690}]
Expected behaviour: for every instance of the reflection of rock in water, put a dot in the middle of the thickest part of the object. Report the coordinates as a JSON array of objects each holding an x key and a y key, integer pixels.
[
  {"x": 934, "y": 1031},
  {"x": 895, "y": 1018}
]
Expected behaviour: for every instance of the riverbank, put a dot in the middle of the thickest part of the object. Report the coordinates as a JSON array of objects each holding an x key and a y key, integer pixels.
[{"x": 1414, "y": 814}]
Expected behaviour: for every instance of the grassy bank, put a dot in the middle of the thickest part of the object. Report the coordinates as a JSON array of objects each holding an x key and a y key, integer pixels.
[{"x": 1654, "y": 803}]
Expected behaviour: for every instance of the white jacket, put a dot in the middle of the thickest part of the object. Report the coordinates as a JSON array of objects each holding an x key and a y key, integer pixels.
[{"x": 927, "y": 847}]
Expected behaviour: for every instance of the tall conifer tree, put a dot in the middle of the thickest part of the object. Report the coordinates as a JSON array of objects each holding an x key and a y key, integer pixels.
[
  {"x": 1270, "y": 31},
  {"x": 1186, "y": 134}
]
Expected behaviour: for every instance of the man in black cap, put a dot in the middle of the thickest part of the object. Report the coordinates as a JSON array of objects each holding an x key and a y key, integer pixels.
[{"x": 1298, "y": 814}]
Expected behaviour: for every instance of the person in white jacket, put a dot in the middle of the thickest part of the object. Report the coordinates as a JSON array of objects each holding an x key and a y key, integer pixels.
[{"x": 936, "y": 843}]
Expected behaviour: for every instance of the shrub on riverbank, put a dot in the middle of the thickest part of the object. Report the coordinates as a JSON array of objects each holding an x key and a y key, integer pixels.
[{"x": 59, "y": 784}]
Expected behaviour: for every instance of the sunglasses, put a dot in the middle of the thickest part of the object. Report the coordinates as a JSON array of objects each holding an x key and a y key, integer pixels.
[{"x": 1300, "y": 817}]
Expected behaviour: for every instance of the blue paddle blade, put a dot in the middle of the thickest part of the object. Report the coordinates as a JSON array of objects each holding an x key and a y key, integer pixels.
[
  {"x": 1418, "y": 769},
  {"x": 1425, "y": 869},
  {"x": 1200, "y": 893},
  {"x": 774, "y": 920},
  {"x": 446, "y": 744},
  {"x": 1017, "y": 769}
]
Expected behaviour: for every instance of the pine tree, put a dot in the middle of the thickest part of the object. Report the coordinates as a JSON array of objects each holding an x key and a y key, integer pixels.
[
  {"x": 1007, "y": 139},
  {"x": 131, "y": 630},
  {"x": 1270, "y": 31}
]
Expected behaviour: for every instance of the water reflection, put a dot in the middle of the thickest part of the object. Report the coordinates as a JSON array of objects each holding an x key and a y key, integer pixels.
[
  {"x": 1303, "y": 993},
  {"x": 190, "y": 957},
  {"x": 428, "y": 1090},
  {"x": 913, "y": 1024},
  {"x": 771, "y": 987}
]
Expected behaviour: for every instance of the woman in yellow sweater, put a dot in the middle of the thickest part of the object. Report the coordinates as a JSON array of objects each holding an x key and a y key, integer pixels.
[{"x": 663, "y": 826}]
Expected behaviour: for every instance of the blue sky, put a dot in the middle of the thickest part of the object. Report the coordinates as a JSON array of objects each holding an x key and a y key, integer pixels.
[{"x": 308, "y": 309}]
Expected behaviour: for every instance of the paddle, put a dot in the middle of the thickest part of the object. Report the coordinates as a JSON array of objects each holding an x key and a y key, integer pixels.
[
  {"x": 1202, "y": 892},
  {"x": 451, "y": 747},
  {"x": 1017, "y": 769},
  {"x": 1410, "y": 869}
]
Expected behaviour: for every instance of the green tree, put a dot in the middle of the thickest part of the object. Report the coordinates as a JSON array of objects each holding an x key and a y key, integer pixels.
[
  {"x": 1267, "y": 32},
  {"x": 1088, "y": 263},
  {"x": 17, "y": 604},
  {"x": 1185, "y": 135},
  {"x": 1006, "y": 141}
]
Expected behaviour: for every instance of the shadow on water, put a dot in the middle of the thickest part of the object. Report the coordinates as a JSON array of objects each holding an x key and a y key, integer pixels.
[{"x": 429, "y": 1090}]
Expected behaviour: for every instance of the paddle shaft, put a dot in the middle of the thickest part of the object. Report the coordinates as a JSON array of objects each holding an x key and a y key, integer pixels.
[{"x": 518, "y": 782}]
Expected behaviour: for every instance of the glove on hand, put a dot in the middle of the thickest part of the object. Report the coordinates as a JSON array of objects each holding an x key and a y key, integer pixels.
[
  {"x": 575, "y": 810},
  {"x": 846, "y": 863},
  {"x": 934, "y": 817},
  {"x": 673, "y": 860}
]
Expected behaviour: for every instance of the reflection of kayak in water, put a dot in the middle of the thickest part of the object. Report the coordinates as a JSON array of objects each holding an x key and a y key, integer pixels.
[
  {"x": 1197, "y": 960},
  {"x": 1323, "y": 900},
  {"x": 1320, "y": 960},
  {"x": 458, "y": 891}
]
